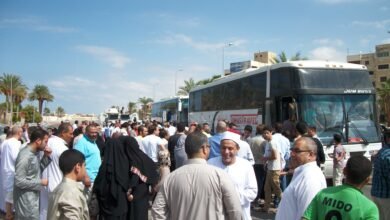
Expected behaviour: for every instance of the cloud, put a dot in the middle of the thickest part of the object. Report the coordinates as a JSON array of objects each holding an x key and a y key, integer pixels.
[
  {"x": 372, "y": 24},
  {"x": 386, "y": 41},
  {"x": 108, "y": 55},
  {"x": 35, "y": 24},
  {"x": 333, "y": 2},
  {"x": 327, "y": 53},
  {"x": 327, "y": 41},
  {"x": 384, "y": 8},
  {"x": 198, "y": 45}
]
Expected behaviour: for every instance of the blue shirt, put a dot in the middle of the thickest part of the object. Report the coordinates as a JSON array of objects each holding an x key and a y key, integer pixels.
[
  {"x": 381, "y": 177},
  {"x": 92, "y": 156},
  {"x": 215, "y": 145}
]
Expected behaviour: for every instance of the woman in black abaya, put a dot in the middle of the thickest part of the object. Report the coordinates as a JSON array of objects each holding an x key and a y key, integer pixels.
[{"x": 143, "y": 173}]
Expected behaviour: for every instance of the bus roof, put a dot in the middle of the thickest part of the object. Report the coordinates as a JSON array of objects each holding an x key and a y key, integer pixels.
[
  {"x": 171, "y": 98},
  {"x": 297, "y": 64}
]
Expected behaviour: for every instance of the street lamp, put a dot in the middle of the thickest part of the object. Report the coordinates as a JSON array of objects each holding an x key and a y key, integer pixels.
[
  {"x": 223, "y": 56},
  {"x": 179, "y": 70}
]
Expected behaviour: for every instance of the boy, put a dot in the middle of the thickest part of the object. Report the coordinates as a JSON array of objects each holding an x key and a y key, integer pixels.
[{"x": 68, "y": 200}]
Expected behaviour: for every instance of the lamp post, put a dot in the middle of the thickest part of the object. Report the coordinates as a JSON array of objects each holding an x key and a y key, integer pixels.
[
  {"x": 223, "y": 56},
  {"x": 179, "y": 70}
]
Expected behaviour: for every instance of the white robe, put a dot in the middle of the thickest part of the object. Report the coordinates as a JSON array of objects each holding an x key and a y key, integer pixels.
[{"x": 244, "y": 179}]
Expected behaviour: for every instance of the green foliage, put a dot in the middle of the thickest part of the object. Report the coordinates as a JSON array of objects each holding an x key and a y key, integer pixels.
[
  {"x": 282, "y": 57},
  {"x": 188, "y": 86},
  {"x": 384, "y": 95},
  {"x": 31, "y": 114},
  {"x": 40, "y": 93},
  {"x": 60, "y": 112}
]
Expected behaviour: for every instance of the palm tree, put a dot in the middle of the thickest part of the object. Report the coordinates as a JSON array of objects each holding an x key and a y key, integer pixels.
[
  {"x": 209, "y": 80},
  {"x": 132, "y": 107},
  {"x": 188, "y": 86},
  {"x": 19, "y": 94},
  {"x": 13, "y": 89},
  {"x": 60, "y": 111},
  {"x": 282, "y": 57},
  {"x": 144, "y": 102},
  {"x": 384, "y": 94},
  {"x": 46, "y": 111},
  {"x": 40, "y": 93}
]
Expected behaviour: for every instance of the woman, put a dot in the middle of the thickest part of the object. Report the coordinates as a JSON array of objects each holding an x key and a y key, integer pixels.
[
  {"x": 112, "y": 182},
  {"x": 164, "y": 160},
  {"x": 143, "y": 173}
]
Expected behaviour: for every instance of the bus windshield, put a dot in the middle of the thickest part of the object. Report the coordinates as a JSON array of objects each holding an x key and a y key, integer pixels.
[{"x": 352, "y": 116}]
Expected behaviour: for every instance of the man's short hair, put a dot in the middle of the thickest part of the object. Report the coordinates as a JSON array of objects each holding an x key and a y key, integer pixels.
[
  {"x": 89, "y": 126},
  {"x": 140, "y": 129},
  {"x": 37, "y": 133},
  {"x": 301, "y": 127},
  {"x": 313, "y": 128},
  {"x": 267, "y": 128},
  {"x": 221, "y": 127},
  {"x": 248, "y": 128},
  {"x": 337, "y": 138},
  {"x": 194, "y": 143},
  {"x": 69, "y": 159},
  {"x": 63, "y": 128},
  {"x": 358, "y": 168},
  {"x": 151, "y": 129},
  {"x": 259, "y": 129},
  {"x": 6, "y": 129},
  {"x": 181, "y": 127},
  {"x": 278, "y": 127},
  {"x": 15, "y": 129}
]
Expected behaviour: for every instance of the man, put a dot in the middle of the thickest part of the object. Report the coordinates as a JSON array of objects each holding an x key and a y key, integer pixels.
[
  {"x": 58, "y": 144},
  {"x": 68, "y": 200},
  {"x": 215, "y": 140},
  {"x": 274, "y": 166},
  {"x": 306, "y": 182},
  {"x": 171, "y": 129},
  {"x": 3, "y": 137},
  {"x": 283, "y": 144},
  {"x": 338, "y": 160},
  {"x": 312, "y": 132},
  {"x": 380, "y": 190},
  {"x": 258, "y": 149},
  {"x": 240, "y": 171},
  {"x": 197, "y": 190},
  {"x": 142, "y": 132},
  {"x": 206, "y": 129},
  {"x": 11, "y": 148},
  {"x": 152, "y": 143},
  {"x": 247, "y": 135},
  {"x": 346, "y": 201},
  {"x": 27, "y": 175},
  {"x": 75, "y": 125},
  {"x": 172, "y": 144}
]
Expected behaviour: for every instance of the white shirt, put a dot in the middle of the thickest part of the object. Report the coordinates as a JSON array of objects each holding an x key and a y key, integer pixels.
[
  {"x": 307, "y": 181},
  {"x": 276, "y": 163},
  {"x": 171, "y": 130},
  {"x": 11, "y": 148},
  {"x": 246, "y": 152},
  {"x": 244, "y": 179},
  {"x": 150, "y": 144},
  {"x": 139, "y": 140},
  {"x": 52, "y": 172},
  {"x": 283, "y": 145}
]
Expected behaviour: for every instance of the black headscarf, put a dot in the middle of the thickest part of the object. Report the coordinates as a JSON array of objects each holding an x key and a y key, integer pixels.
[
  {"x": 111, "y": 183},
  {"x": 139, "y": 161}
]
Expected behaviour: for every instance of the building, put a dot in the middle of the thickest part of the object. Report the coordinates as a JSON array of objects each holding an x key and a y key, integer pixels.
[
  {"x": 265, "y": 57},
  {"x": 378, "y": 63},
  {"x": 240, "y": 66}
]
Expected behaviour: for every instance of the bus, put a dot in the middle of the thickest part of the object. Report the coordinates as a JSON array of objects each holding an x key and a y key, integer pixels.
[
  {"x": 335, "y": 97},
  {"x": 171, "y": 110}
]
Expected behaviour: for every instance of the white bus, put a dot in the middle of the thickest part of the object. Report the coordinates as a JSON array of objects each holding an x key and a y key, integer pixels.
[
  {"x": 335, "y": 97},
  {"x": 171, "y": 110}
]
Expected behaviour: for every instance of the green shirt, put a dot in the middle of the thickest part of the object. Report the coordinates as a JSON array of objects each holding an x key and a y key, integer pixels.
[{"x": 341, "y": 203}]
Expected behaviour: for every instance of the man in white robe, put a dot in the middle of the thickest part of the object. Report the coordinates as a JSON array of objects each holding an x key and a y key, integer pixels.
[{"x": 240, "y": 171}]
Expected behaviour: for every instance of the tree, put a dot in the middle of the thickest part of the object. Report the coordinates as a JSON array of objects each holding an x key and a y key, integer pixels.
[
  {"x": 384, "y": 94},
  {"x": 188, "y": 86},
  {"x": 13, "y": 89},
  {"x": 132, "y": 107},
  {"x": 282, "y": 57},
  {"x": 60, "y": 111},
  {"x": 144, "y": 104},
  {"x": 31, "y": 115},
  {"x": 40, "y": 93},
  {"x": 46, "y": 111},
  {"x": 209, "y": 80}
]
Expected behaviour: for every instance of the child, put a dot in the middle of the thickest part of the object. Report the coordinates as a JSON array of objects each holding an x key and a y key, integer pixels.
[{"x": 68, "y": 200}]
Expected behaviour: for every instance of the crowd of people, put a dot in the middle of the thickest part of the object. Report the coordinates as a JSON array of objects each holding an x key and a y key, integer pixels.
[{"x": 125, "y": 170}]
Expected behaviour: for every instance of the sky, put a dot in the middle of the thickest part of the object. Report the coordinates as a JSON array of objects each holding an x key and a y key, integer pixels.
[{"x": 93, "y": 54}]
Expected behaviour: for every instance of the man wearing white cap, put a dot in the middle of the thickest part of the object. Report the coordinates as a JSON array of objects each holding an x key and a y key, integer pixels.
[{"x": 239, "y": 170}]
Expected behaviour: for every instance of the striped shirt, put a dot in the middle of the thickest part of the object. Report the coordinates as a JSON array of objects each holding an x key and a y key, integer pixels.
[{"x": 381, "y": 177}]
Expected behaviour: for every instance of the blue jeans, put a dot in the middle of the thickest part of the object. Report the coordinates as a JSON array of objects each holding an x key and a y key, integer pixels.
[{"x": 260, "y": 174}]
